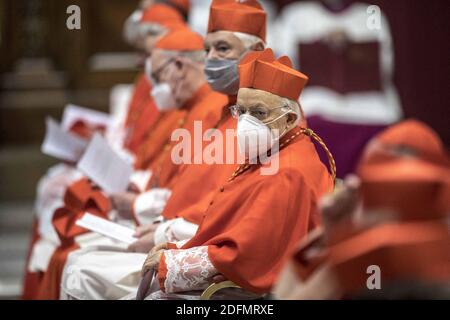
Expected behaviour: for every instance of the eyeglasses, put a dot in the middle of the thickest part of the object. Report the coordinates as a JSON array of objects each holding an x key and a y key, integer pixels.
[
  {"x": 151, "y": 29},
  {"x": 259, "y": 112},
  {"x": 156, "y": 74}
]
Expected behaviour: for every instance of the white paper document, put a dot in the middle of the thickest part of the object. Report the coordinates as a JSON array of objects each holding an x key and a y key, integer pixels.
[
  {"x": 107, "y": 228},
  {"x": 61, "y": 144},
  {"x": 105, "y": 167},
  {"x": 73, "y": 113}
]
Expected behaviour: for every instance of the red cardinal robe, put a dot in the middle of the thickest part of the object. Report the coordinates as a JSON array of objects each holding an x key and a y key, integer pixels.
[
  {"x": 253, "y": 221},
  {"x": 142, "y": 114},
  {"x": 205, "y": 109}
]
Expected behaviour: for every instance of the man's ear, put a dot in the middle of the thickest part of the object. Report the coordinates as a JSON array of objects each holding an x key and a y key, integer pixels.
[
  {"x": 179, "y": 63},
  {"x": 259, "y": 46},
  {"x": 180, "y": 66},
  {"x": 291, "y": 119}
]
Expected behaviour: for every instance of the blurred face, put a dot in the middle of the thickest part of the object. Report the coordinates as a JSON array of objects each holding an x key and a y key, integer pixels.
[
  {"x": 221, "y": 45},
  {"x": 168, "y": 70},
  {"x": 377, "y": 151},
  {"x": 162, "y": 67}
]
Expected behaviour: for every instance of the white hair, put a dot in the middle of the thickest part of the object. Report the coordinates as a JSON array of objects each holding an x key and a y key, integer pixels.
[
  {"x": 197, "y": 56},
  {"x": 248, "y": 40},
  {"x": 151, "y": 28}
]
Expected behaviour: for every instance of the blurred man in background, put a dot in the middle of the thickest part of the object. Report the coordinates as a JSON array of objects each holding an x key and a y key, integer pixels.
[
  {"x": 393, "y": 216},
  {"x": 232, "y": 239}
]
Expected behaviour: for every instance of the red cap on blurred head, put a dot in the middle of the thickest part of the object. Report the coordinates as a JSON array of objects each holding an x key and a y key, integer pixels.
[
  {"x": 182, "y": 39},
  {"x": 408, "y": 173},
  {"x": 246, "y": 16},
  {"x": 163, "y": 15},
  {"x": 413, "y": 134}
]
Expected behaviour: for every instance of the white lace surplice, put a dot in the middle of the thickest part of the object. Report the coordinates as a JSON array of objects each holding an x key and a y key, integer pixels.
[{"x": 187, "y": 270}]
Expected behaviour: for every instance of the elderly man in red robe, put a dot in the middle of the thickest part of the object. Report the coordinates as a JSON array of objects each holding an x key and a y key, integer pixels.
[
  {"x": 233, "y": 30},
  {"x": 255, "y": 218},
  {"x": 227, "y": 42}
]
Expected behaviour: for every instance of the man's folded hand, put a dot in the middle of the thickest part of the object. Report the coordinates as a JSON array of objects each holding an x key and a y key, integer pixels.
[
  {"x": 144, "y": 244},
  {"x": 123, "y": 203}
]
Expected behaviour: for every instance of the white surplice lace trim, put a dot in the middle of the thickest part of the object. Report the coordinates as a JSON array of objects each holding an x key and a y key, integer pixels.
[{"x": 188, "y": 269}]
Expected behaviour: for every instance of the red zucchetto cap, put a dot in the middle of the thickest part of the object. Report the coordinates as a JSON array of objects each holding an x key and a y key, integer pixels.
[
  {"x": 408, "y": 172},
  {"x": 413, "y": 134},
  {"x": 261, "y": 70},
  {"x": 163, "y": 15},
  {"x": 182, "y": 39},
  {"x": 246, "y": 16}
]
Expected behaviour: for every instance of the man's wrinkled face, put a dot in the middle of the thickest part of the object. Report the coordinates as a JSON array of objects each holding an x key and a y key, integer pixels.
[
  {"x": 266, "y": 107},
  {"x": 223, "y": 45},
  {"x": 168, "y": 70}
]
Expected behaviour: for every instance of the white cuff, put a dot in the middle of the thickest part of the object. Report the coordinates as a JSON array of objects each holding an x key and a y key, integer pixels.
[
  {"x": 189, "y": 269},
  {"x": 141, "y": 179},
  {"x": 159, "y": 236},
  {"x": 182, "y": 229},
  {"x": 176, "y": 231},
  {"x": 149, "y": 205}
]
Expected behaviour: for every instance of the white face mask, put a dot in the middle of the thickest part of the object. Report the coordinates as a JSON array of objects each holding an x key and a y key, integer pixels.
[
  {"x": 255, "y": 137},
  {"x": 163, "y": 96}
]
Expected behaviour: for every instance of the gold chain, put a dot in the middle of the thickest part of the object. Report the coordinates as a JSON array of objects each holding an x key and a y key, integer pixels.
[{"x": 312, "y": 134}]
